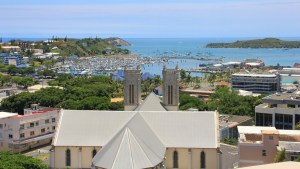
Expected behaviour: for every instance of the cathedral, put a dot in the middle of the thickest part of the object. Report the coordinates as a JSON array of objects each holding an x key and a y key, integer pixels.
[{"x": 150, "y": 133}]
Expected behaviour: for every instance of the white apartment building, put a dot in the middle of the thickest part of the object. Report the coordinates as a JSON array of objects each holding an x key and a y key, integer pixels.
[
  {"x": 36, "y": 127},
  {"x": 281, "y": 110}
]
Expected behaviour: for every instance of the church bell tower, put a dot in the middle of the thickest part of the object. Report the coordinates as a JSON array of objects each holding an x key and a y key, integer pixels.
[
  {"x": 132, "y": 88},
  {"x": 171, "y": 88}
]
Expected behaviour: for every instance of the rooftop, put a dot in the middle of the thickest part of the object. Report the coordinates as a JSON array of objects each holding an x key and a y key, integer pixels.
[
  {"x": 254, "y": 75},
  {"x": 283, "y": 96},
  {"x": 7, "y": 114},
  {"x": 287, "y": 164}
]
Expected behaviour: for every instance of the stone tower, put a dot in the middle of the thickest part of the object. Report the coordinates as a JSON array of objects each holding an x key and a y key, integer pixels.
[
  {"x": 132, "y": 88},
  {"x": 171, "y": 88}
]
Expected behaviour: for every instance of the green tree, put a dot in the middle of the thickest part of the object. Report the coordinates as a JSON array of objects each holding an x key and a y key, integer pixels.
[
  {"x": 187, "y": 101},
  {"x": 280, "y": 156},
  {"x": 297, "y": 126},
  {"x": 19, "y": 161},
  {"x": 182, "y": 74}
]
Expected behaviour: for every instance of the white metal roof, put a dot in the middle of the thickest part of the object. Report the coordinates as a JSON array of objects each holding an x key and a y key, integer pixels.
[
  {"x": 151, "y": 103},
  {"x": 7, "y": 114},
  {"x": 135, "y": 146},
  {"x": 253, "y": 129},
  {"x": 173, "y": 128}
]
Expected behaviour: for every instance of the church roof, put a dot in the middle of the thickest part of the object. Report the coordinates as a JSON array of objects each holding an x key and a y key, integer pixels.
[
  {"x": 181, "y": 129},
  {"x": 135, "y": 146},
  {"x": 151, "y": 103}
]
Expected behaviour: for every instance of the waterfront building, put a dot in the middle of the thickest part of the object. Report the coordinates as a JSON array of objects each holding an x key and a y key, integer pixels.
[
  {"x": 253, "y": 63},
  {"x": 147, "y": 135},
  {"x": 19, "y": 133},
  {"x": 281, "y": 110},
  {"x": 259, "y": 145},
  {"x": 257, "y": 83}
]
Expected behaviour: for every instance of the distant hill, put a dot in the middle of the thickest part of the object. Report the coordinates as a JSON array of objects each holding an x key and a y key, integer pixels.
[
  {"x": 87, "y": 47},
  {"x": 257, "y": 43},
  {"x": 117, "y": 42}
]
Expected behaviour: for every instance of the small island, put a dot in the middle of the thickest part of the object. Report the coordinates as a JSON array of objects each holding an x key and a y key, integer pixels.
[{"x": 257, "y": 43}]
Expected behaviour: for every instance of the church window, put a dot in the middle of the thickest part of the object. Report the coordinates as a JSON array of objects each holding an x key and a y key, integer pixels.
[
  {"x": 94, "y": 152},
  {"x": 68, "y": 157},
  {"x": 175, "y": 159},
  {"x": 202, "y": 158}
]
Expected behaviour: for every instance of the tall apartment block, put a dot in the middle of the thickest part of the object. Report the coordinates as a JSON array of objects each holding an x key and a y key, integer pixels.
[
  {"x": 36, "y": 127},
  {"x": 257, "y": 83},
  {"x": 279, "y": 110}
]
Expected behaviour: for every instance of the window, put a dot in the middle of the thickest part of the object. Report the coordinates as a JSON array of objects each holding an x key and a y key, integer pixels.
[
  {"x": 175, "y": 159},
  {"x": 22, "y": 135},
  {"x": 53, "y": 120},
  {"x": 264, "y": 152},
  {"x": 43, "y": 130},
  {"x": 68, "y": 157},
  {"x": 293, "y": 157},
  {"x": 202, "y": 159},
  {"x": 32, "y": 133},
  {"x": 10, "y": 136},
  {"x": 53, "y": 127},
  {"x": 47, "y": 121},
  {"x": 291, "y": 106},
  {"x": 94, "y": 152},
  {"x": 1, "y": 126},
  {"x": 37, "y": 123},
  {"x": 271, "y": 137},
  {"x": 21, "y": 126},
  {"x": 31, "y": 124}
]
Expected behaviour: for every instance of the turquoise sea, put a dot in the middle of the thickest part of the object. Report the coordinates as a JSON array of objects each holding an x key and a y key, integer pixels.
[{"x": 195, "y": 47}]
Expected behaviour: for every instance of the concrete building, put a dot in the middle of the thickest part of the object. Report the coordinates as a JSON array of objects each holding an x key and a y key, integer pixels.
[
  {"x": 228, "y": 125},
  {"x": 132, "y": 89},
  {"x": 11, "y": 59},
  {"x": 259, "y": 145},
  {"x": 148, "y": 136},
  {"x": 279, "y": 110},
  {"x": 19, "y": 133},
  {"x": 257, "y": 83}
]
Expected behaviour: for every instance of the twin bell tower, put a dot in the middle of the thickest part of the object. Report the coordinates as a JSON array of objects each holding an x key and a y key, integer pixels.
[{"x": 132, "y": 89}]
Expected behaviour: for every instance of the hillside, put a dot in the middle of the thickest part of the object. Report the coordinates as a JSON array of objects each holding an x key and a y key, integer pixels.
[
  {"x": 117, "y": 42},
  {"x": 87, "y": 47},
  {"x": 257, "y": 43}
]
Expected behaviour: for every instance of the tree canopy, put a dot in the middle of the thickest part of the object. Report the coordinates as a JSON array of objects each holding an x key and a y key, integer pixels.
[{"x": 19, "y": 161}]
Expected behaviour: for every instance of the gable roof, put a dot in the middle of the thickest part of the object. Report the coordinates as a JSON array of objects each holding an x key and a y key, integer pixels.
[
  {"x": 135, "y": 146},
  {"x": 197, "y": 129},
  {"x": 151, "y": 103}
]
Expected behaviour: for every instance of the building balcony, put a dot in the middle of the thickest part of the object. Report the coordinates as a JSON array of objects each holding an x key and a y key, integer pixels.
[{"x": 33, "y": 139}]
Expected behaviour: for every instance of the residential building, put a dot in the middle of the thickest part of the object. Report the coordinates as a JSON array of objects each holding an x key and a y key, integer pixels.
[
  {"x": 259, "y": 145},
  {"x": 147, "y": 136},
  {"x": 11, "y": 59},
  {"x": 281, "y": 110},
  {"x": 11, "y": 48},
  {"x": 36, "y": 127},
  {"x": 257, "y": 83}
]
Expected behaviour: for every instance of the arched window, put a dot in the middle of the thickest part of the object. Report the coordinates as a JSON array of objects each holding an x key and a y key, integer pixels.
[
  {"x": 68, "y": 157},
  {"x": 94, "y": 152},
  {"x": 175, "y": 159},
  {"x": 202, "y": 159}
]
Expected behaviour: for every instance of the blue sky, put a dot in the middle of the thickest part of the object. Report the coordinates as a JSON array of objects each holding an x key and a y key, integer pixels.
[{"x": 150, "y": 18}]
